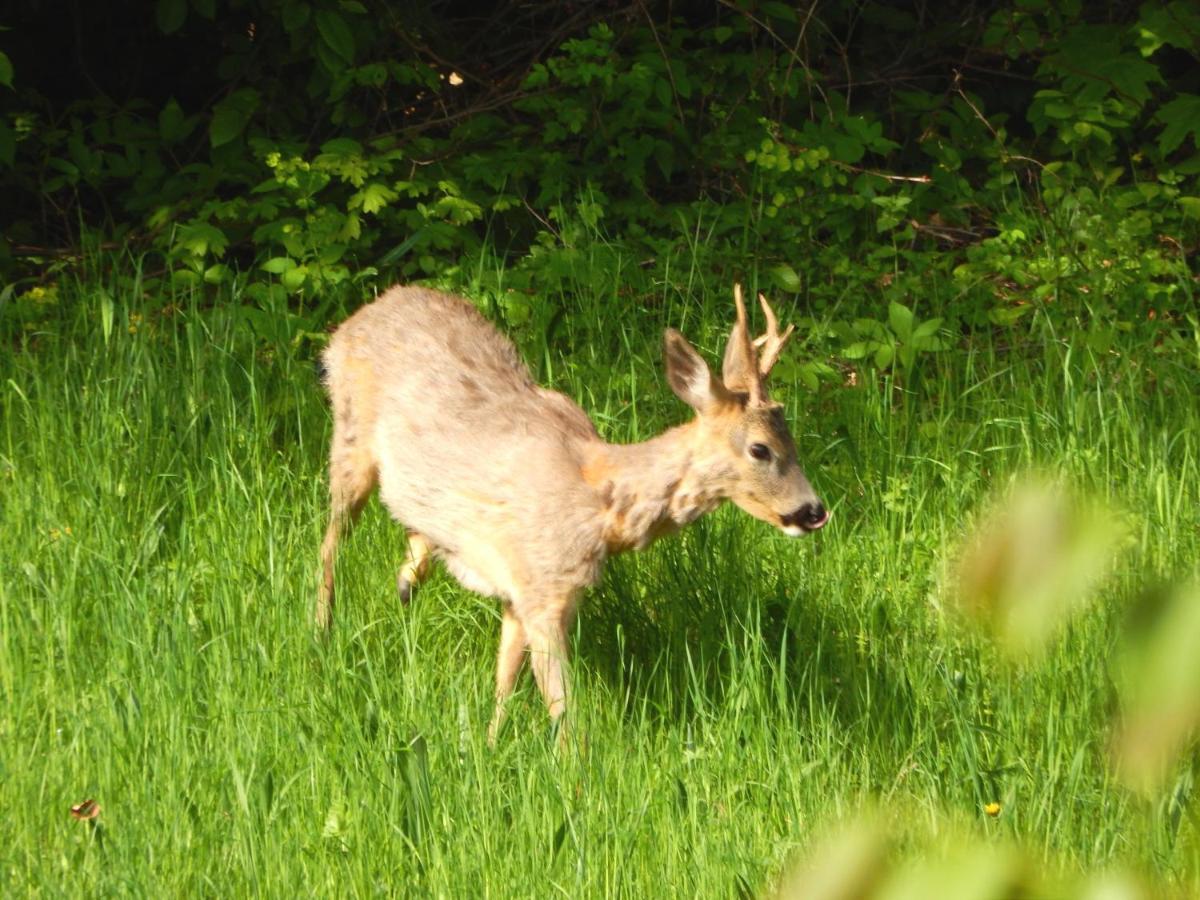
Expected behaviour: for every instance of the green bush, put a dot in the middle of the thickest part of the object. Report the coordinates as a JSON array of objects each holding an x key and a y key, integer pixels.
[{"x": 834, "y": 155}]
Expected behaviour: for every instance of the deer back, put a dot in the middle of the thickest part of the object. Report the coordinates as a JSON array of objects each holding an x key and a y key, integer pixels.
[{"x": 470, "y": 451}]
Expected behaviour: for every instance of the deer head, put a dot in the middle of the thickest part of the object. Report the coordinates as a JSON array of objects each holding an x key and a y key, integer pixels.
[{"x": 743, "y": 445}]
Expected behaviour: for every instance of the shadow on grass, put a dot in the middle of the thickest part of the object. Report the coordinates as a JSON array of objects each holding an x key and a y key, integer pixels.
[{"x": 675, "y": 631}]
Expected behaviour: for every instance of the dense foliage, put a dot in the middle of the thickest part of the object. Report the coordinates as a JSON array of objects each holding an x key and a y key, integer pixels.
[{"x": 843, "y": 149}]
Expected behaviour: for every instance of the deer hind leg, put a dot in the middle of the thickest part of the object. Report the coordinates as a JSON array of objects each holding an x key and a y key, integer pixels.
[
  {"x": 546, "y": 634},
  {"x": 352, "y": 477},
  {"x": 508, "y": 666},
  {"x": 416, "y": 566}
]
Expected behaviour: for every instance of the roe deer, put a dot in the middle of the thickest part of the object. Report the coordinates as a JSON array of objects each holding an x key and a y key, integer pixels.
[{"x": 509, "y": 483}]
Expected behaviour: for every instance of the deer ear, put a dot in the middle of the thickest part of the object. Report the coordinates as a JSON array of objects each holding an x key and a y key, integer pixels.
[
  {"x": 689, "y": 376},
  {"x": 738, "y": 367}
]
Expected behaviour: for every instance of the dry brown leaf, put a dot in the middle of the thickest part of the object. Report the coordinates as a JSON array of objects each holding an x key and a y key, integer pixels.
[{"x": 86, "y": 811}]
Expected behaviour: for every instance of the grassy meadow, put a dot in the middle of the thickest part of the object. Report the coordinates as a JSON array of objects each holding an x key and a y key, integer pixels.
[{"x": 738, "y": 693}]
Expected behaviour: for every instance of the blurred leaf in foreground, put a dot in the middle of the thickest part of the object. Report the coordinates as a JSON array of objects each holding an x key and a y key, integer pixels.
[
  {"x": 851, "y": 864},
  {"x": 870, "y": 860},
  {"x": 1031, "y": 562},
  {"x": 970, "y": 871},
  {"x": 1159, "y": 681}
]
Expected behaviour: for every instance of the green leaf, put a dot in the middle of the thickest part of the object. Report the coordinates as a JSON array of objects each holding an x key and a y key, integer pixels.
[
  {"x": 397, "y": 252},
  {"x": 662, "y": 91},
  {"x": 277, "y": 265},
  {"x": 1132, "y": 76},
  {"x": 1008, "y": 315},
  {"x": 1093, "y": 65},
  {"x": 785, "y": 276},
  {"x": 172, "y": 126},
  {"x": 293, "y": 279},
  {"x": 342, "y": 146},
  {"x": 683, "y": 84},
  {"x": 106, "y": 315},
  {"x": 900, "y": 318},
  {"x": 231, "y": 115},
  {"x": 846, "y": 149},
  {"x": 6, "y": 70},
  {"x": 374, "y": 197},
  {"x": 351, "y": 230},
  {"x": 884, "y": 355},
  {"x": 928, "y": 328},
  {"x": 1181, "y": 117},
  {"x": 200, "y": 239},
  {"x": 218, "y": 274},
  {"x": 170, "y": 15},
  {"x": 67, "y": 167},
  {"x": 335, "y": 33},
  {"x": 857, "y": 350},
  {"x": 1191, "y": 206},
  {"x": 539, "y": 76},
  {"x": 1175, "y": 23},
  {"x": 331, "y": 253}
]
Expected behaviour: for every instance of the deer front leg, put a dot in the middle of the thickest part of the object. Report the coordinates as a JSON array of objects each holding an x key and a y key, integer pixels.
[
  {"x": 546, "y": 634},
  {"x": 508, "y": 666},
  {"x": 415, "y": 568}
]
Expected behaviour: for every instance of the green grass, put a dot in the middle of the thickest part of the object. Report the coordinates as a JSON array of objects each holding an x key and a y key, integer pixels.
[{"x": 737, "y": 691}]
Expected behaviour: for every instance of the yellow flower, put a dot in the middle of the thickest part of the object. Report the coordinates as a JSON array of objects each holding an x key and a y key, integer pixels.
[{"x": 992, "y": 809}]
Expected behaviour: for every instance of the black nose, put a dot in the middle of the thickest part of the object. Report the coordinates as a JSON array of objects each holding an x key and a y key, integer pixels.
[{"x": 810, "y": 516}]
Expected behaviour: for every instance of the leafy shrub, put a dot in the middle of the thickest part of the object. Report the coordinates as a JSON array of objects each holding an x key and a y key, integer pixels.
[{"x": 831, "y": 155}]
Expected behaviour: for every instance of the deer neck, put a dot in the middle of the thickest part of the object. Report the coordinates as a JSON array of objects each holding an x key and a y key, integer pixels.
[{"x": 652, "y": 488}]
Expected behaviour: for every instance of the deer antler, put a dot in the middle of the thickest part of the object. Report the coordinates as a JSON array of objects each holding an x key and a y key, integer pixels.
[
  {"x": 772, "y": 342},
  {"x": 741, "y": 346}
]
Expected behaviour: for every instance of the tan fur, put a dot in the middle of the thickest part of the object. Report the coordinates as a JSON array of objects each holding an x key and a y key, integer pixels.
[{"x": 510, "y": 485}]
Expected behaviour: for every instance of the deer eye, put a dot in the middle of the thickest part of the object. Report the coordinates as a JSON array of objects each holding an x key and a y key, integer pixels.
[{"x": 761, "y": 452}]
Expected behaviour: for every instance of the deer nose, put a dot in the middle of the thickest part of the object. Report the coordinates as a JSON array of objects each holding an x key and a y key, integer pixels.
[{"x": 810, "y": 517}]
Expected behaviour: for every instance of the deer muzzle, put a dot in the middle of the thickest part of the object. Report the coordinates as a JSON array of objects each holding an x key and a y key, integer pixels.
[{"x": 808, "y": 517}]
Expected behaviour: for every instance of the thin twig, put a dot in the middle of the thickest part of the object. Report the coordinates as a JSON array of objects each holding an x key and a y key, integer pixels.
[
  {"x": 914, "y": 179},
  {"x": 1005, "y": 155},
  {"x": 666, "y": 62},
  {"x": 484, "y": 106},
  {"x": 59, "y": 252},
  {"x": 812, "y": 80},
  {"x": 533, "y": 212},
  {"x": 419, "y": 49},
  {"x": 947, "y": 233},
  {"x": 787, "y": 77}
]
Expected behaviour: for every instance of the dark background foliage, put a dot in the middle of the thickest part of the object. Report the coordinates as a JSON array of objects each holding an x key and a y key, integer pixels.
[{"x": 842, "y": 147}]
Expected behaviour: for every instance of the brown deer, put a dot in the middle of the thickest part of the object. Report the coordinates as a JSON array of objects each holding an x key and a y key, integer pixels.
[{"x": 511, "y": 486}]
